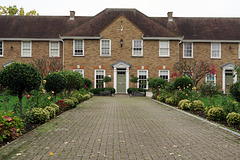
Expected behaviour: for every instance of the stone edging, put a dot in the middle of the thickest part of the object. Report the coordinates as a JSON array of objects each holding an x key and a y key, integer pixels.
[{"x": 202, "y": 119}]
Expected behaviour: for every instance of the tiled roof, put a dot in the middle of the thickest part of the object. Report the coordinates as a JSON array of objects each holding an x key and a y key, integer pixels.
[{"x": 203, "y": 28}]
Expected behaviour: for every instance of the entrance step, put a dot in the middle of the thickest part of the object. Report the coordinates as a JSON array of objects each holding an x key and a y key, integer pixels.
[{"x": 121, "y": 95}]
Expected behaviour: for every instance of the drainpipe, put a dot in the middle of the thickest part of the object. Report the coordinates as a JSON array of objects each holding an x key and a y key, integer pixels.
[
  {"x": 179, "y": 48},
  {"x": 63, "y": 49}
]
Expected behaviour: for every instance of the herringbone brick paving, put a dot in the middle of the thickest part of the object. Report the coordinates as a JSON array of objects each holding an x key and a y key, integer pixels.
[{"x": 124, "y": 128}]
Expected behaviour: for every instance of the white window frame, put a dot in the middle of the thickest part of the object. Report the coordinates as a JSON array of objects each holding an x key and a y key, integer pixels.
[
  {"x": 50, "y": 49},
  {"x": 184, "y": 56},
  {"x": 168, "y": 49},
  {"x": 23, "y": 49},
  {"x": 2, "y": 48},
  {"x": 74, "y": 47},
  {"x": 138, "y": 74},
  {"x": 213, "y": 50},
  {"x": 168, "y": 74},
  {"x": 135, "y": 47},
  {"x": 81, "y": 71},
  {"x": 101, "y": 47},
  {"x": 95, "y": 79},
  {"x": 214, "y": 80}
]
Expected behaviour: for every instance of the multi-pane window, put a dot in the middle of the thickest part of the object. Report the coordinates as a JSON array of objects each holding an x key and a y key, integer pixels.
[
  {"x": 187, "y": 50},
  {"x": 78, "y": 48},
  {"x": 26, "y": 49},
  {"x": 1, "y": 48},
  {"x": 105, "y": 47},
  {"x": 54, "y": 49},
  {"x": 211, "y": 78},
  {"x": 163, "y": 48},
  {"x": 216, "y": 50},
  {"x": 137, "y": 49},
  {"x": 99, "y": 75},
  {"x": 142, "y": 79},
  {"x": 164, "y": 74},
  {"x": 81, "y": 71}
]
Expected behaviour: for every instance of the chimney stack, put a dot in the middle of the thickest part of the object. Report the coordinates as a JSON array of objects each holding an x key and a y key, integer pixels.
[
  {"x": 72, "y": 15},
  {"x": 170, "y": 16}
]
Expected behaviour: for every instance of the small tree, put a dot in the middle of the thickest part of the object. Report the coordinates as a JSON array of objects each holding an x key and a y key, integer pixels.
[
  {"x": 88, "y": 83},
  {"x": 55, "y": 83},
  {"x": 133, "y": 79},
  {"x": 20, "y": 77},
  {"x": 196, "y": 70},
  {"x": 107, "y": 79}
]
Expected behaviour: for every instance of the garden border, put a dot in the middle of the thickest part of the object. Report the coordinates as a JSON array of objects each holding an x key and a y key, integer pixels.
[{"x": 202, "y": 119}]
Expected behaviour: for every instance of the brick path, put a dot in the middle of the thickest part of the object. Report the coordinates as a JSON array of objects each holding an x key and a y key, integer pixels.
[{"x": 124, "y": 128}]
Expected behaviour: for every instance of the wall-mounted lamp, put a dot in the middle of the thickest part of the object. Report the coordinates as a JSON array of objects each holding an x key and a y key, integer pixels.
[
  {"x": 230, "y": 48},
  {"x": 121, "y": 41},
  {"x": 11, "y": 47}
]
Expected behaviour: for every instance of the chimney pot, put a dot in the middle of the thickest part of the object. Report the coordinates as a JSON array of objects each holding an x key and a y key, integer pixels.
[
  {"x": 170, "y": 16},
  {"x": 72, "y": 15}
]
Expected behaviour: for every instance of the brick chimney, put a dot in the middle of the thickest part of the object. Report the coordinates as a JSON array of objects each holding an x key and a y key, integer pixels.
[
  {"x": 170, "y": 16},
  {"x": 72, "y": 15}
]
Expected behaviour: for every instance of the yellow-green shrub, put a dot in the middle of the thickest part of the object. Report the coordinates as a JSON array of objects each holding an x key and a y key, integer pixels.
[
  {"x": 51, "y": 110},
  {"x": 233, "y": 118},
  {"x": 56, "y": 107},
  {"x": 75, "y": 100},
  {"x": 197, "y": 105},
  {"x": 185, "y": 104},
  {"x": 216, "y": 114},
  {"x": 70, "y": 103},
  {"x": 37, "y": 115},
  {"x": 207, "y": 109},
  {"x": 171, "y": 100}
]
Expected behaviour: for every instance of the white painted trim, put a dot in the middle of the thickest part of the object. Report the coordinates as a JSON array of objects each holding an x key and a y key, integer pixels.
[
  {"x": 30, "y": 39},
  {"x": 228, "y": 67},
  {"x": 51, "y": 48},
  {"x": 133, "y": 47},
  {"x": 146, "y": 77},
  {"x": 219, "y": 50},
  {"x": 168, "y": 49},
  {"x": 183, "y": 50},
  {"x": 162, "y": 38},
  {"x": 79, "y": 37},
  {"x": 164, "y": 70},
  {"x": 214, "y": 80},
  {"x": 95, "y": 76},
  {"x": 2, "y": 49},
  {"x": 82, "y": 71},
  {"x": 30, "y": 49},
  {"x": 212, "y": 41},
  {"x": 74, "y": 48},
  {"x": 109, "y": 47}
]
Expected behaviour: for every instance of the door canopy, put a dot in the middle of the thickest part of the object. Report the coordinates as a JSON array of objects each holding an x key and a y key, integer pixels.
[{"x": 121, "y": 64}]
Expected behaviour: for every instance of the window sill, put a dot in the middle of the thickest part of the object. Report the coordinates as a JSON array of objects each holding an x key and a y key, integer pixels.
[
  {"x": 188, "y": 57},
  {"x": 54, "y": 57},
  {"x": 216, "y": 58},
  {"x": 163, "y": 56},
  {"x": 105, "y": 56},
  {"x": 78, "y": 56},
  {"x": 1, "y": 56},
  {"x": 26, "y": 56},
  {"x": 137, "y": 56}
]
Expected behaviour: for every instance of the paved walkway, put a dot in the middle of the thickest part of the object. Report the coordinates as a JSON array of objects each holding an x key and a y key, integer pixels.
[{"x": 124, "y": 128}]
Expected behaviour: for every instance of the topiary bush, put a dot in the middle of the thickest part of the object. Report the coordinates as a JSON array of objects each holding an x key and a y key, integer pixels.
[
  {"x": 70, "y": 103},
  {"x": 235, "y": 91},
  {"x": 185, "y": 104},
  {"x": 56, "y": 107},
  {"x": 88, "y": 83},
  {"x": 233, "y": 118},
  {"x": 51, "y": 110},
  {"x": 130, "y": 90},
  {"x": 37, "y": 116},
  {"x": 197, "y": 105},
  {"x": 216, "y": 114},
  {"x": 183, "y": 82}
]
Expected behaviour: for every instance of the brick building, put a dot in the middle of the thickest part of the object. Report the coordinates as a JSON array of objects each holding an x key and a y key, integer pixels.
[{"x": 122, "y": 42}]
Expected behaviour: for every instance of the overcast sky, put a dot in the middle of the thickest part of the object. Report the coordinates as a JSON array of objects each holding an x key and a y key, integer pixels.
[{"x": 157, "y": 8}]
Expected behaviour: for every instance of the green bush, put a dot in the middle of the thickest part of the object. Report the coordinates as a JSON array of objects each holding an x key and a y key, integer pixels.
[
  {"x": 88, "y": 83},
  {"x": 185, "y": 104},
  {"x": 157, "y": 83},
  {"x": 86, "y": 97},
  {"x": 162, "y": 96},
  {"x": 209, "y": 89},
  {"x": 51, "y": 110},
  {"x": 11, "y": 126},
  {"x": 172, "y": 100},
  {"x": 70, "y": 103},
  {"x": 197, "y": 105},
  {"x": 183, "y": 82},
  {"x": 233, "y": 118},
  {"x": 75, "y": 100},
  {"x": 216, "y": 114},
  {"x": 97, "y": 91},
  {"x": 235, "y": 91},
  {"x": 55, "y": 82},
  {"x": 207, "y": 108},
  {"x": 56, "y": 107},
  {"x": 37, "y": 116},
  {"x": 130, "y": 90}
]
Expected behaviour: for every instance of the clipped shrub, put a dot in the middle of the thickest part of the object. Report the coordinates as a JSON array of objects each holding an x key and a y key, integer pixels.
[
  {"x": 207, "y": 109},
  {"x": 185, "y": 104},
  {"x": 97, "y": 91},
  {"x": 70, "y": 103},
  {"x": 197, "y": 105},
  {"x": 88, "y": 83},
  {"x": 86, "y": 97},
  {"x": 172, "y": 100},
  {"x": 62, "y": 106},
  {"x": 56, "y": 107},
  {"x": 183, "y": 82},
  {"x": 75, "y": 100},
  {"x": 235, "y": 91},
  {"x": 51, "y": 110},
  {"x": 37, "y": 116},
  {"x": 216, "y": 114},
  {"x": 157, "y": 83},
  {"x": 233, "y": 118},
  {"x": 11, "y": 126},
  {"x": 130, "y": 90}
]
